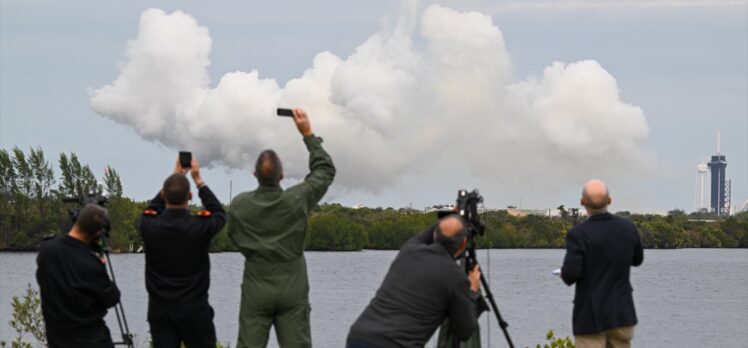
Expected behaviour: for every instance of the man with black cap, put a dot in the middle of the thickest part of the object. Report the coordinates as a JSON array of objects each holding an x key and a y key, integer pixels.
[
  {"x": 177, "y": 264},
  {"x": 75, "y": 288}
]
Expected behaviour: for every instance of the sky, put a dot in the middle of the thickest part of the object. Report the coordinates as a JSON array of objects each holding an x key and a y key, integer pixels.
[{"x": 524, "y": 100}]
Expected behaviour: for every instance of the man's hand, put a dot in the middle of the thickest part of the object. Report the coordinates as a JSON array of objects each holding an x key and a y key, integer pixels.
[
  {"x": 302, "y": 122},
  {"x": 178, "y": 168},
  {"x": 474, "y": 278},
  {"x": 195, "y": 171}
]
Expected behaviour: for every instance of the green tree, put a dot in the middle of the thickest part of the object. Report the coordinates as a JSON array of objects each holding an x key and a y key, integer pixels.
[
  {"x": 112, "y": 182},
  {"x": 24, "y": 175},
  {"x": 22, "y": 218},
  {"x": 67, "y": 175},
  {"x": 43, "y": 178},
  {"x": 76, "y": 179},
  {"x": 8, "y": 191}
]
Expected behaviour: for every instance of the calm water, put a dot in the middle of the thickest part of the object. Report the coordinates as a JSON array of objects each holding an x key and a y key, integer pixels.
[{"x": 684, "y": 298}]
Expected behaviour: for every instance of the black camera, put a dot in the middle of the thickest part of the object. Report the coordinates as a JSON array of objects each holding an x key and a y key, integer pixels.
[
  {"x": 95, "y": 196},
  {"x": 467, "y": 205},
  {"x": 92, "y": 197}
]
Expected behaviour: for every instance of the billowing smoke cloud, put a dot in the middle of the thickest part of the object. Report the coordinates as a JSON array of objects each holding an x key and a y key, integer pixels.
[{"x": 384, "y": 111}]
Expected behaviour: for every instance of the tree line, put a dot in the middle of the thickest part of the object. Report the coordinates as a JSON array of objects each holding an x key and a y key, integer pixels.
[
  {"x": 32, "y": 208},
  {"x": 31, "y": 198}
]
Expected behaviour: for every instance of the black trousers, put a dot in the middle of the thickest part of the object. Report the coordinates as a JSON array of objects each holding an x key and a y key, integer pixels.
[
  {"x": 174, "y": 323},
  {"x": 91, "y": 337}
]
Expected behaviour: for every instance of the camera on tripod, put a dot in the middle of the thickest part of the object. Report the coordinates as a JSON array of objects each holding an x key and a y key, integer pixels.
[
  {"x": 94, "y": 196},
  {"x": 467, "y": 205}
]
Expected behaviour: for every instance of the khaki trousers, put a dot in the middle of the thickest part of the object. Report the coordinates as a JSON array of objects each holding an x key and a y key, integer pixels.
[{"x": 614, "y": 338}]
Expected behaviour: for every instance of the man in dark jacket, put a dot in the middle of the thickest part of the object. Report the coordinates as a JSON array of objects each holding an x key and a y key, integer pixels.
[
  {"x": 75, "y": 288},
  {"x": 599, "y": 256},
  {"x": 177, "y": 264},
  {"x": 423, "y": 287}
]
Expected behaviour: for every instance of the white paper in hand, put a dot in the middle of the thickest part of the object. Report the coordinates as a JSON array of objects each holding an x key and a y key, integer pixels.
[{"x": 556, "y": 272}]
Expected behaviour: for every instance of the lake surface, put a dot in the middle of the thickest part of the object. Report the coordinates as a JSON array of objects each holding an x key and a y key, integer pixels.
[{"x": 684, "y": 298}]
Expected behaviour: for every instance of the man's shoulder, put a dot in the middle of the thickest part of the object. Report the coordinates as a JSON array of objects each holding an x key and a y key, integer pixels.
[
  {"x": 621, "y": 219},
  {"x": 436, "y": 258},
  {"x": 241, "y": 198},
  {"x": 50, "y": 244},
  {"x": 622, "y": 222}
]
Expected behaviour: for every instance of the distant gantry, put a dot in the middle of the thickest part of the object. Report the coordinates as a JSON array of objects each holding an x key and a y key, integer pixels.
[{"x": 720, "y": 188}]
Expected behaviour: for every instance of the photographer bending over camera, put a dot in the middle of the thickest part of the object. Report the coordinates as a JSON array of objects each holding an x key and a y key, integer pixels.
[
  {"x": 423, "y": 287},
  {"x": 75, "y": 288},
  {"x": 177, "y": 265}
]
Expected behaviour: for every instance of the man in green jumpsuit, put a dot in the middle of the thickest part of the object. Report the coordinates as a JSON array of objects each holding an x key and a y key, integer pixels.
[{"x": 268, "y": 226}]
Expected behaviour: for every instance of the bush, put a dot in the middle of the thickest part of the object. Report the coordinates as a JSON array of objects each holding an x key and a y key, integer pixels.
[
  {"x": 555, "y": 342},
  {"x": 27, "y": 318}
]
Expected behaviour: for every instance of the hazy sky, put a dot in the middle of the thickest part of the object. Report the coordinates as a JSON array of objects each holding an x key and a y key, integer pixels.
[{"x": 524, "y": 100}]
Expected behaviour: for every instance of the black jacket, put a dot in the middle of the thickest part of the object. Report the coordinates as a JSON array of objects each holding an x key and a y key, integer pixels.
[
  {"x": 599, "y": 256},
  {"x": 177, "y": 264},
  {"x": 75, "y": 288},
  {"x": 422, "y": 288}
]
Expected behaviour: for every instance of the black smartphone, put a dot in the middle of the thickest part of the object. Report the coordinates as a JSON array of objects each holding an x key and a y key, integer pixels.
[
  {"x": 185, "y": 159},
  {"x": 285, "y": 112}
]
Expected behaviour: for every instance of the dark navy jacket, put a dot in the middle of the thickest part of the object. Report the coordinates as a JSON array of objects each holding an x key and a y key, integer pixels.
[
  {"x": 599, "y": 256},
  {"x": 177, "y": 264}
]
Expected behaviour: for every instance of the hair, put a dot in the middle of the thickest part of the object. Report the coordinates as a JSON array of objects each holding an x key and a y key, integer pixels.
[
  {"x": 176, "y": 189},
  {"x": 451, "y": 243},
  {"x": 92, "y": 219},
  {"x": 268, "y": 168},
  {"x": 595, "y": 203}
]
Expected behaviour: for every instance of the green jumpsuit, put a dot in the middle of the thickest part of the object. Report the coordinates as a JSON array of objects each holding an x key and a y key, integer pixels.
[{"x": 268, "y": 226}]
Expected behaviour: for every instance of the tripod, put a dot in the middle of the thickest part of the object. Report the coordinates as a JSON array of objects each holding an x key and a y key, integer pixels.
[
  {"x": 467, "y": 203},
  {"x": 471, "y": 261},
  {"x": 119, "y": 310}
]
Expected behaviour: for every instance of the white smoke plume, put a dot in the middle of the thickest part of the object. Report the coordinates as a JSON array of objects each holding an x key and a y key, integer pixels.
[{"x": 384, "y": 111}]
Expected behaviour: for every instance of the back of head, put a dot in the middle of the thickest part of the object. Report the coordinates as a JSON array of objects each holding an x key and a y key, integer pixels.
[
  {"x": 595, "y": 196},
  {"x": 450, "y": 232},
  {"x": 268, "y": 169},
  {"x": 92, "y": 219},
  {"x": 176, "y": 189}
]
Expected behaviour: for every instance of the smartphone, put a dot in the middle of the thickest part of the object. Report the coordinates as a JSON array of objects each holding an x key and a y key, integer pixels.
[
  {"x": 285, "y": 112},
  {"x": 185, "y": 159}
]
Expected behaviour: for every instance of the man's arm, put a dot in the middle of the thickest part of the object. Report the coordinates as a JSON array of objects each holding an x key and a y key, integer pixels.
[
  {"x": 109, "y": 295},
  {"x": 321, "y": 168},
  {"x": 210, "y": 202},
  {"x": 638, "y": 249},
  {"x": 214, "y": 206},
  {"x": 100, "y": 287},
  {"x": 157, "y": 203},
  {"x": 234, "y": 232},
  {"x": 574, "y": 259},
  {"x": 463, "y": 311},
  {"x": 156, "y": 206}
]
